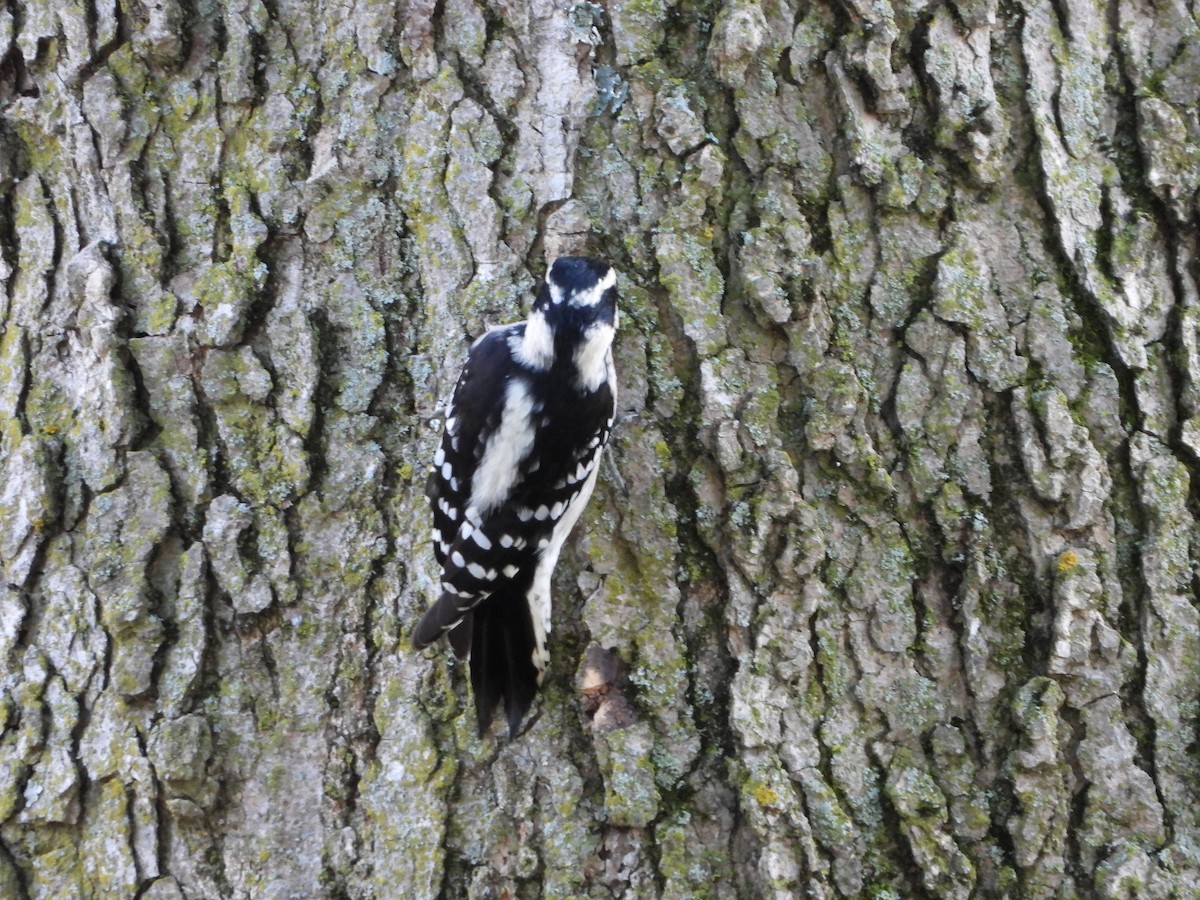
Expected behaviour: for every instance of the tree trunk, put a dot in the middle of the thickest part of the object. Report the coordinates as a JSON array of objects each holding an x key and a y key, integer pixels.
[{"x": 888, "y": 588}]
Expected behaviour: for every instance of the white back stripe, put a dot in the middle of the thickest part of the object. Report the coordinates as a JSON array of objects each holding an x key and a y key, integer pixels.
[{"x": 506, "y": 448}]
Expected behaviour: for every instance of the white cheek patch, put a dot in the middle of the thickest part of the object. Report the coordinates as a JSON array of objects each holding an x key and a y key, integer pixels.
[{"x": 592, "y": 358}]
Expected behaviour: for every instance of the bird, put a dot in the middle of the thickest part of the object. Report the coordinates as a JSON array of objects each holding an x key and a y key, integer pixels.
[{"x": 518, "y": 459}]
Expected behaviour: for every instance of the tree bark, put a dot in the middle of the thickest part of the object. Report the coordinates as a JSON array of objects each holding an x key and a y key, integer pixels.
[{"x": 889, "y": 586}]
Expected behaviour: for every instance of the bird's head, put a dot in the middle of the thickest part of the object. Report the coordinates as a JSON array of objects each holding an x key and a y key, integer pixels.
[
  {"x": 574, "y": 316},
  {"x": 578, "y": 293}
]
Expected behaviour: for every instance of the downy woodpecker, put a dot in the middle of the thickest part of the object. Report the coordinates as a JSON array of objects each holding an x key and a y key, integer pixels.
[{"x": 530, "y": 416}]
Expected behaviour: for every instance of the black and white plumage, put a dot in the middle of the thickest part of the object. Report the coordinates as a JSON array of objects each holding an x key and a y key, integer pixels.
[{"x": 520, "y": 452}]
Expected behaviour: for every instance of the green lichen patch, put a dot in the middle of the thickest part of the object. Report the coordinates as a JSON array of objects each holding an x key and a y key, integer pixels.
[
  {"x": 224, "y": 293},
  {"x": 124, "y": 529},
  {"x": 13, "y": 363},
  {"x": 28, "y": 505},
  {"x": 171, "y": 398},
  {"x": 630, "y": 796},
  {"x": 267, "y": 462},
  {"x": 695, "y": 288},
  {"x": 944, "y": 869}
]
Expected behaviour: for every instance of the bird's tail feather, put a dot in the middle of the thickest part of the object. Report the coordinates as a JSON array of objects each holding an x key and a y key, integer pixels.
[
  {"x": 460, "y": 636},
  {"x": 443, "y": 616},
  {"x": 502, "y": 646},
  {"x": 499, "y": 635}
]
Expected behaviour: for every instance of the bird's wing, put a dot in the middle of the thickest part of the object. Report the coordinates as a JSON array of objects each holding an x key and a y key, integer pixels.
[
  {"x": 479, "y": 541},
  {"x": 471, "y": 419}
]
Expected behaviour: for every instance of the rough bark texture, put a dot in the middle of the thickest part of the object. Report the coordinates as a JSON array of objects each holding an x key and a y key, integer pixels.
[{"x": 889, "y": 586}]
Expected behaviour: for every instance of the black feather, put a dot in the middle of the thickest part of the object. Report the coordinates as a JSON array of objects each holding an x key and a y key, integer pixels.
[{"x": 502, "y": 646}]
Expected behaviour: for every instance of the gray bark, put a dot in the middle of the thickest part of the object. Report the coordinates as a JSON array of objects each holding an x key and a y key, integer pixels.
[{"x": 889, "y": 586}]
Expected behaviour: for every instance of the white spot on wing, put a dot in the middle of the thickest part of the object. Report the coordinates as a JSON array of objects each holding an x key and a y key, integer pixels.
[
  {"x": 510, "y": 570},
  {"x": 457, "y": 559},
  {"x": 482, "y": 540}
]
